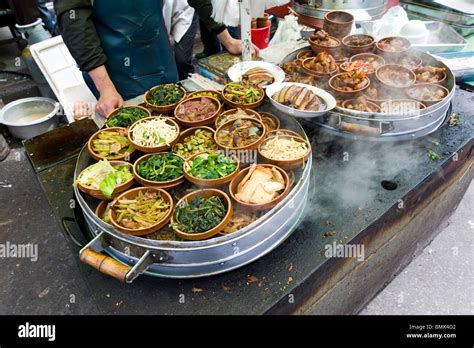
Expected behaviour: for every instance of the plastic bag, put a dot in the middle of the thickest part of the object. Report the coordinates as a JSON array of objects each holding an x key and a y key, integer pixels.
[
  {"x": 288, "y": 30},
  {"x": 390, "y": 24}
]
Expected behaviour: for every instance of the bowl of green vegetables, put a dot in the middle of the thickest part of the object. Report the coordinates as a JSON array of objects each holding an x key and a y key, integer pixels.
[
  {"x": 110, "y": 143},
  {"x": 163, "y": 98},
  {"x": 141, "y": 211},
  {"x": 125, "y": 116},
  {"x": 201, "y": 214},
  {"x": 105, "y": 180},
  {"x": 211, "y": 169},
  {"x": 195, "y": 140},
  {"x": 164, "y": 169},
  {"x": 242, "y": 95}
]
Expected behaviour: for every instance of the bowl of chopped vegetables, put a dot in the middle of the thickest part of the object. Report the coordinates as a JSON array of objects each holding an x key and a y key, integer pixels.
[
  {"x": 163, "y": 98},
  {"x": 195, "y": 140},
  {"x": 285, "y": 151},
  {"x": 242, "y": 95},
  {"x": 202, "y": 214},
  {"x": 110, "y": 143},
  {"x": 153, "y": 134},
  {"x": 206, "y": 93},
  {"x": 244, "y": 133},
  {"x": 270, "y": 121},
  {"x": 232, "y": 114},
  {"x": 125, "y": 116},
  {"x": 163, "y": 169},
  {"x": 211, "y": 169},
  {"x": 105, "y": 180},
  {"x": 197, "y": 111},
  {"x": 141, "y": 211},
  {"x": 260, "y": 186}
]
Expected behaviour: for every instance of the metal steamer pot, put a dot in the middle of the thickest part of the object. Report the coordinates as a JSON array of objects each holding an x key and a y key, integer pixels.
[
  {"x": 389, "y": 127},
  {"x": 19, "y": 116},
  {"x": 190, "y": 259},
  {"x": 318, "y": 8}
]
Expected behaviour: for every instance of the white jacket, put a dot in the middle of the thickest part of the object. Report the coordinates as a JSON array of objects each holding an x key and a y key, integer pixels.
[{"x": 178, "y": 16}]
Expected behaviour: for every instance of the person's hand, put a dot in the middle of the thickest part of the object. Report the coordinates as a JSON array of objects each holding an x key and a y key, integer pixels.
[
  {"x": 109, "y": 100},
  {"x": 234, "y": 46}
]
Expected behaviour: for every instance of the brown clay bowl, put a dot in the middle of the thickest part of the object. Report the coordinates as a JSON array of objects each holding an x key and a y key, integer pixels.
[
  {"x": 244, "y": 106},
  {"x": 286, "y": 164},
  {"x": 264, "y": 206},
  {"x": 208, "y": 182},
  {"x": 188, "y": 132},
  {"x": 393, "y": 55},
  {"x": 226, "y": 116},
  {"x": 162, "y": 108},
  {"x": 282, "y": 131},
  {"x": 270, "y": 120},
  {"x": 346, "y": 94},
  {"x": 315, "y": 73},
  {"x": 114, "y": 112},
  {"x": 316, "y": 47},
  {"x": 410, "y": 60},
  {"x": 351, "y": 48},
  {"x": 205, "y": 193},
  {"x": 251, "y": 146},
  {"x": 146, "y": 182},
  {"x": 441, "y": 77},
  {"x": 96, "y": 193},
  {"x": 153, "y": 149},
  {"x": 347, "y": 103},
  {"x": 338, "y": 23},
  {"x": 397, "y": 68},
  {"x": 98, "y": 157},
  {"x": 196, "y": 123},
  {"x": 305, "y": 54},
  {"x": 206, "y": 93},
  {"x": 131, "y": 194},
  {"x": 433, "y": 89},
  {"x": 365, "y": 57}
]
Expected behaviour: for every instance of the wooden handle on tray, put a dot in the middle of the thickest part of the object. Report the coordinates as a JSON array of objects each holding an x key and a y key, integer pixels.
[
  {"x": 358, "y": 129},
  {"x": 105, "y": 264}
]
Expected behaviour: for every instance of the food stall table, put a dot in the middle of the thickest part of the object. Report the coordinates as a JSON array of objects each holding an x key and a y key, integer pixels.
[{"x": 388, "y": 197}]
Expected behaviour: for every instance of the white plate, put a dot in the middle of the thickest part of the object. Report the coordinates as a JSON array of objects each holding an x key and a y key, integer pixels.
[
  {"x": 327, "y": 99},
  {"x": 236, "y": 71}
]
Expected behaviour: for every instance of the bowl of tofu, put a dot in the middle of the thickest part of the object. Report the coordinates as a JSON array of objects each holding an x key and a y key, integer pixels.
[
  {"x": 300, "y": 100},
  {"x": 260, "y": 186}
]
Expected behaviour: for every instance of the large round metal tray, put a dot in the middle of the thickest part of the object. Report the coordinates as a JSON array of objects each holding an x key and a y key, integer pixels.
[
  {"x": 390, "y": 127},
  {"x": 188, "y": 259}
]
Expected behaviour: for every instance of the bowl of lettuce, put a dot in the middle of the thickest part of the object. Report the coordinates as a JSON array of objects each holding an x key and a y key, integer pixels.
[{"x": 105, "y": 180}]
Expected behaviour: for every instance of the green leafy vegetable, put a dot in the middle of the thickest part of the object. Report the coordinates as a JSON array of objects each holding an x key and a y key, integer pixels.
[
  {"x": 433, "y": 155},
  {"x": 202, "y": 140},
  {"x": 165, "y": 95},
  {"x": 211, "y": 166},
  {"x": 199, "y": 215},
  {"x": 126, "y": 116},
  {"x": 242, "y": 93},
  {"x": 164, "y": 167},
  {"x": 104, "y": 177}
]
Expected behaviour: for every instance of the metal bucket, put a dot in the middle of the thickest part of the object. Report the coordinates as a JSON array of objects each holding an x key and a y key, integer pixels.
[{"x": 29, "y": 117}]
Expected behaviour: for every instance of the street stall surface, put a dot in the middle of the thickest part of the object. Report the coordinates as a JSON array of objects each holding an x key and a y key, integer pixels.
[{"x": 389, "y": 197}]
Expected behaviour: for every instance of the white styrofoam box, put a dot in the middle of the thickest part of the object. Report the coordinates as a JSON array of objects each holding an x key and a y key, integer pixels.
[{"x": 63, "y": 75}]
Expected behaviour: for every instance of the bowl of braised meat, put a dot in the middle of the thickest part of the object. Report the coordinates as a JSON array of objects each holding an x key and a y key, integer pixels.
[
  {"x": 349, "y": 83},
  {"x": 395, "y": 76}
]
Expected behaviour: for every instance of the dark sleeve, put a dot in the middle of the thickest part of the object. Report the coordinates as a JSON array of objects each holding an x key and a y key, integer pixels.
[
  {"x": 204, "y": 11},
  {"x": 79, "y": 34}
]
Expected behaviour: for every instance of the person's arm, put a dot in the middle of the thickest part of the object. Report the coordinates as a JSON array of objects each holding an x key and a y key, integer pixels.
[
  {"x": 204, "y": 11},
  {"x": 80, "y": 36}
]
